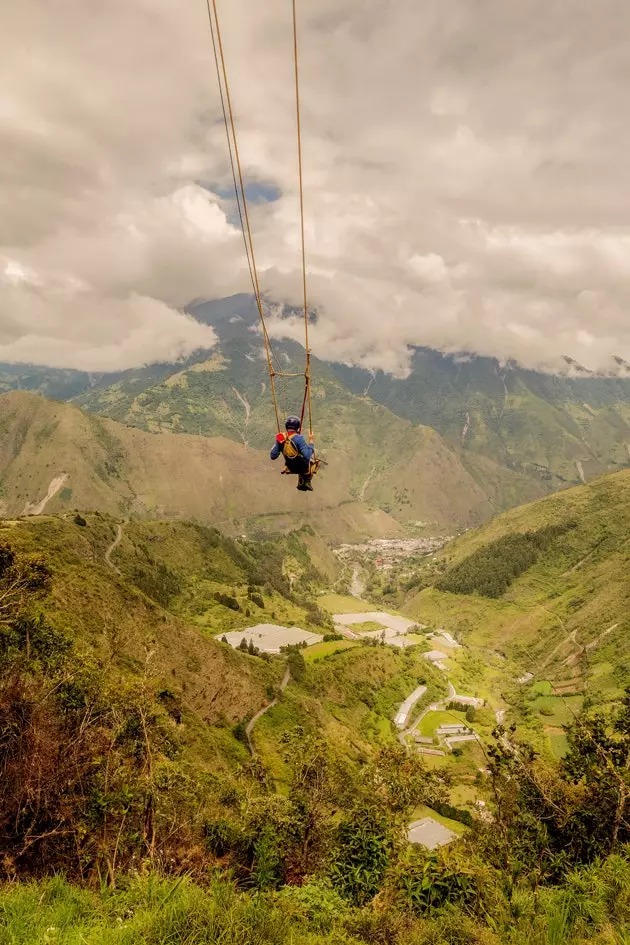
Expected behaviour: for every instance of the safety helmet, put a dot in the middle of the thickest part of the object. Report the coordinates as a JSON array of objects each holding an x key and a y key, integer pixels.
[{"x": 293, "y": 423}]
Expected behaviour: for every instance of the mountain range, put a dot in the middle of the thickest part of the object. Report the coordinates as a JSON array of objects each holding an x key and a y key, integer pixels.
[{"x": 456, "y": 441}]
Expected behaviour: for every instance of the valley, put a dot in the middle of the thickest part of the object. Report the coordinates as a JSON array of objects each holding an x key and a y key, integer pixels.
[
  {"x": 270, "y": 691},
  {"x": 223, "y": 702}
]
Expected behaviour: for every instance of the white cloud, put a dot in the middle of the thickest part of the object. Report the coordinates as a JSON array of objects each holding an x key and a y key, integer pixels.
[{"x": 465, "y": 173}]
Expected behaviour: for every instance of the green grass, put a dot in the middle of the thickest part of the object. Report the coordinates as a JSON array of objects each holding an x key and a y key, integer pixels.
[
  {"x": 433, "y": 720},
  {"x": 367, "y": 626},
  {"x": 149, "y": 910},
  {"x": 562, "y": 709},
  {"x": 145, "y": 911},
  {"x": 559, "y": 744},
  {"x": 417, "y": 638},
  {"x": 342, "y": 604},
  {"x": 454, "y": 825},
  {"x": 321, "y": 650},
  {"x": 464, "y": 795}
]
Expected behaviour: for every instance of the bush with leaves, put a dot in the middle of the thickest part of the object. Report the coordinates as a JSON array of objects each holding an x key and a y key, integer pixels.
[{"x": 227, "y": 600}]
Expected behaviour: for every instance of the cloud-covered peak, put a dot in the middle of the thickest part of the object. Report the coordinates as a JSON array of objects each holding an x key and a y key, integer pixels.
[{"x": 465, "y": 173}]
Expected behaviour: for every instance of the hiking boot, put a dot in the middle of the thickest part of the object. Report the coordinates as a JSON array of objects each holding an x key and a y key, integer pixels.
[
  {"x": 302, "y": 487},
  {"x": 308, "y": 485}
]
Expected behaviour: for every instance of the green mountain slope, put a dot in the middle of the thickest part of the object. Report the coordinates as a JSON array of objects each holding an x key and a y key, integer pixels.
[
  {"x": 564, "y": 615},
  {"x": 123, "y": 720},
  {"x": 55, "y": 457},
  {"x": 399, "y": 467},
  {"x": 381, "y": 472},
  {"x": 557, "y": 428},
  {"x": 126, "y": 777}
]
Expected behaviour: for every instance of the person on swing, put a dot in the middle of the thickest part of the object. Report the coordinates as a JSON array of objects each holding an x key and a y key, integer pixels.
[{"x": 297, "y": 452}]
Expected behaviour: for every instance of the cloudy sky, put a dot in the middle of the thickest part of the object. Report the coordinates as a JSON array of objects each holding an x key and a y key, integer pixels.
[{"x": 467, "y": 173}]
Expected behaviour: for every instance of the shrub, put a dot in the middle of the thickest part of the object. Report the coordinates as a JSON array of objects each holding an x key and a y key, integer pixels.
[{"x": 227, "y": 600}]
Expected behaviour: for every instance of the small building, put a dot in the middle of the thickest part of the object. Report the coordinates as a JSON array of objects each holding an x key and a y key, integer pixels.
[
  {"x": 454, "y": 739},
  {"x": 458, "y": 729},
  {"x": 434, "y": 656},
  {"x": 468, "y": 700}
]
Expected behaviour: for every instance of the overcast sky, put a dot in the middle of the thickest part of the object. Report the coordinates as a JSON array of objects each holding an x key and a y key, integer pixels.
[{"x": 467, "y": 173}]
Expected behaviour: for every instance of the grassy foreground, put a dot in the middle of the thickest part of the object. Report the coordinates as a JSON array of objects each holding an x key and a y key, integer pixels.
[{"x": 592, "y": 907}]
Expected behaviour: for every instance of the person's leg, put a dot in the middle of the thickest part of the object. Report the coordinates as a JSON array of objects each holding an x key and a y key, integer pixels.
[{"x": 304, "y": 478}]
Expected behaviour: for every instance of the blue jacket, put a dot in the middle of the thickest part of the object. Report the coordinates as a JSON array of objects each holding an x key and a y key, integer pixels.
[{"x": 299, "y": 462}]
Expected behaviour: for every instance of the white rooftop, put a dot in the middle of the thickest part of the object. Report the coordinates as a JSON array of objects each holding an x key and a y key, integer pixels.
[
  {"x": 400, "y": 719},
  {"x": 434, "y": 656},
  {"x": 269, "y": 637},
  {"x": 430, "y": 834}
]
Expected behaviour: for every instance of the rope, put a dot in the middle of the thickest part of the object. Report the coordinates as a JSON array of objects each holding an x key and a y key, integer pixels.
[
  {"x": 245, "y": 216},
  {"x": 307, "y": 371},
  {"x": 241, "y": 202},
  {"x": 229, "y": 144}
]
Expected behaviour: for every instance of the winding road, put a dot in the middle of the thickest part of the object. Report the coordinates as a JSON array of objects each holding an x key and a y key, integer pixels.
[
  {"x": 108, "y": 554},
  {"x": 250, "y": 725}
]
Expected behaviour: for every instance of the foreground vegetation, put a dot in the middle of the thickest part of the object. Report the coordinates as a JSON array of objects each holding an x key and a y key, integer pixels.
[
  {"x": 590, "y": 907},
  {"x": 134, "y": 811}
]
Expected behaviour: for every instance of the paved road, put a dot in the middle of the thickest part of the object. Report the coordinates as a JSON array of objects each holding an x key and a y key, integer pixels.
[
  {"x": 250, "y": 725},
  {"x": 112, "y": 548}
]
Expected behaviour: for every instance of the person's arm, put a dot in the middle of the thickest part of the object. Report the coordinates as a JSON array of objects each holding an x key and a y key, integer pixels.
[
  {"x": 306, "y": 449},
  {"x": 276, "y": 449}
]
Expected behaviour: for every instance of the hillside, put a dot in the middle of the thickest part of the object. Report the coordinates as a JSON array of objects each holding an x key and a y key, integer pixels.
[
  {"x": 126, "y": 777},
  {"x": 562, "y": 613},
  {"x": 554, "y": 429},
  {"x": 54, "y": 456},
  {"x": 123, "y": 720},
  {"x": 559, "y": 429},
  {"x": 128, "y": 630}
]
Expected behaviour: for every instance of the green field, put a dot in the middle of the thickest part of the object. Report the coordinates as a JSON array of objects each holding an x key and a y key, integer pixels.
[
  {"x": 433, "y": 720},
  {"x": 368, "y": 626},
  {"x": 343, "y": 604},
  {"x": 558, "y": 710},
  {"x": 424, "y": 811},
  {"x": 558, "y": 743},
  {"x": 321, "y": 650}
]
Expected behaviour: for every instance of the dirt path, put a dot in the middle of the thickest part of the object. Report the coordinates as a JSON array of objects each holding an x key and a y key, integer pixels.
[
  {"x": 112, "y": 548},
  {"x": 356, "y": 587},
  {"x": 589, "y": 646},
  {"x": 570, "y": 638},
  {"x": 250, "y": 725},
  {"x": 36, "y": 508},
  {"x": 366, "y": 483},
  {"x": 465, "y": 428}
]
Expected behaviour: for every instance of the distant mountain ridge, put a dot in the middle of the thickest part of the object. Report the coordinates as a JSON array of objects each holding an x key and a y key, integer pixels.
[
  {"x": 517, "y": 433},
  {"x": 55, "y": 457}
]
